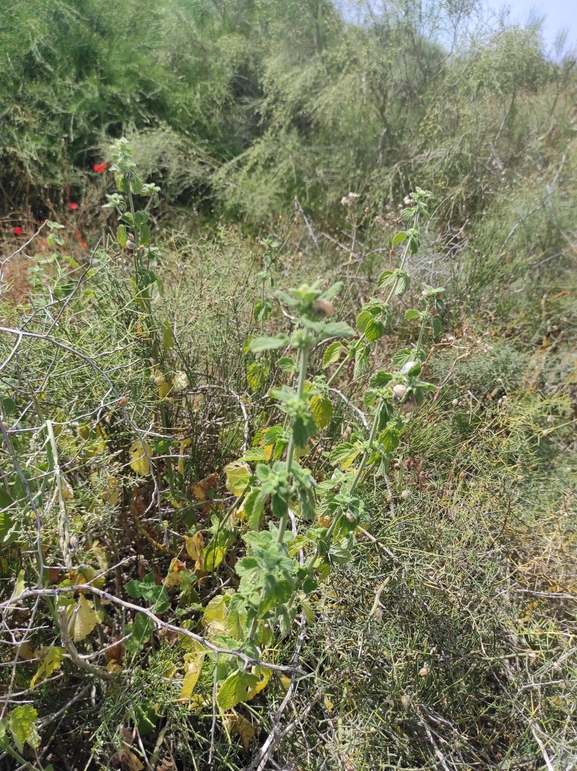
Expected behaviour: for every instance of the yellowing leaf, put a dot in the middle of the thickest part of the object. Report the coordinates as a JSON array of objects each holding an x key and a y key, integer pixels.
[
  {"x": 177, "y": 572},
  {"x": 50, "y": 659},
  {"x": 193, "y": 662},
  {"x": 164, "y": 389},
  {"x": 111, "y": 495},
  {"x": 243, "y": 727},
  {"x": 194, "y": 546},
  {"x": 307, "y": 609},
  {"x": 285, "y": 682},
  {"x": 213, "y": 556},
  {"x": 235, "y": 689},
  {"x": 85, "y": 619},
  {"x": 100, "y": 555},
  {"x": 130, "y": 759},
  {"x": 66, "y": 490},
  {"x": 332, "y": 353},
  {"x": 264, "y": 676},
  {"x": 86, "y": 573},
  {"x": 200, "y": 489},
  {"x": 167, "y": 336},
  {"x": 140, "y": 453},
  {"x": 25, "y": 651},
  {"x": 179, "y": 382},
  {"x": 190, "y": 680},
  {"x": 214, "y": 616},
  {"x": 237, "y": 477},
  {"x": 100, "y": 441},
  {"x": 322, "y": 410},
  {"x": 20, "y": 585},
  {"x": 21, "y": 722}
]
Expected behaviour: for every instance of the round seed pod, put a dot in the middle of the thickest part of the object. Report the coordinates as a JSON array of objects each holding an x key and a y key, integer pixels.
[{"x": 323, "y": 308}]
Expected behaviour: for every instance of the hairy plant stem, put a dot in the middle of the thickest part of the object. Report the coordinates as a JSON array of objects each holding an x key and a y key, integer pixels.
[
  {"x": 361, "y": 466},
  {"x": 347, "y": 358},
  {"x": 421, "y": 333},
  {"x": 144, "y": 296},
  {"x": 355, "y": 482},
  {"x": 304, "y": 355},
  {"x": 303, "y": 361},
  {"x": 351, "y": 354},
  {"x": 403, "y": 261}
]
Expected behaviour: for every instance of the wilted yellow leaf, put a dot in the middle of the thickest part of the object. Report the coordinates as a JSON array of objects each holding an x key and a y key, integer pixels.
[
  {"x": 285, "y": 682},
  {"x": 308, "y": 610},
  {"x": 66, "y": 489},
  {"x": 84, "y": 619},
  {"x": 84, "y": 574},
  {"x": 25, "y": 651},
  {"x": 20, "y": 584},
  {"x": 237, "y": 476},
  {"x": 200, "y": 489},
  {"x": 131, "y": 760},
  {"x": 50, "y": 659},
  {"x": 264, "y": 676},
  {"x": 322, "y": 410},
  {"x": 164, "y": 389},
  {"x": 179, "y": 382},
  {"x": 244, "y": 728},
  {"x": 193, "y": 663},
  {"x": 176, "y": 572},
  {"x": 111, "y": 495},
  {"x": 214, "y": 616},
  {"x": 140, "y": 453},
  {"x": 100, "y": 555},
  {"x": 194, "y": 547}
]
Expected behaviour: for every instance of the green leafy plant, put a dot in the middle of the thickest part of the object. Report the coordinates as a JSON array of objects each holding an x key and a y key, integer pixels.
[{"x": 281, "y": 566}]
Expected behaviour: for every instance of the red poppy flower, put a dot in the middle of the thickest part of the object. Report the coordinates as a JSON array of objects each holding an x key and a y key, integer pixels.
[
  {"x": 99, "y": 167},
  {"x": 73, "y": 206},
  {"x": 18, "y": 231},
  {"x": 44, "y": 243},
  {"x": 83, "y": 244},
  {"x": 79, "y": 235}
]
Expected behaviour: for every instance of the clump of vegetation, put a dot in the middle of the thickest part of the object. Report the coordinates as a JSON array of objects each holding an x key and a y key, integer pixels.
[{"x": 288, "y": 466}]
